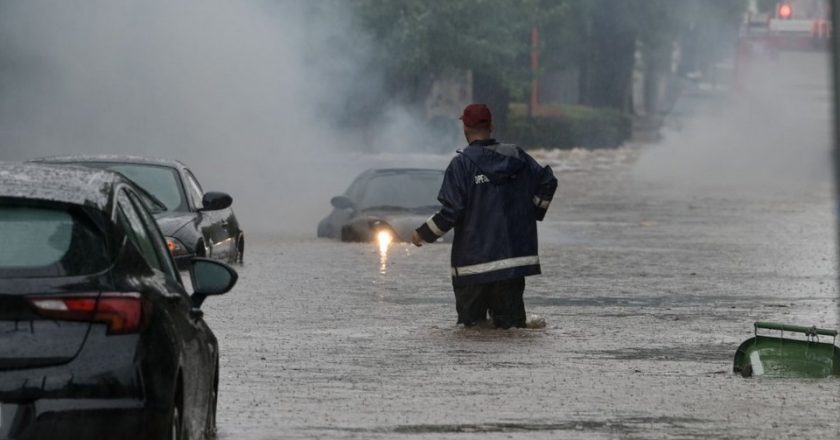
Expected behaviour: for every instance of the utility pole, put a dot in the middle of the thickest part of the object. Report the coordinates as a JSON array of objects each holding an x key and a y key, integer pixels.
[{"x": 534, "y": 105}]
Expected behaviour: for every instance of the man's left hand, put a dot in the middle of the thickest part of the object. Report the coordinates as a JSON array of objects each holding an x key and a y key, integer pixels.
[{"x": 416, "y": 239}]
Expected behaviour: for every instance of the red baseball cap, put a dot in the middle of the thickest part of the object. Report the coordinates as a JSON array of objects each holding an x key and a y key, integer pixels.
[{"x": 477, "y": 116}]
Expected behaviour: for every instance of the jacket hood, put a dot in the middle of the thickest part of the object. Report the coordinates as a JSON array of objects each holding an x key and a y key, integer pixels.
[{"x": 499, "y": 162}]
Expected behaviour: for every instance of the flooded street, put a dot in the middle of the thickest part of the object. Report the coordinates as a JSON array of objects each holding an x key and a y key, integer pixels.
[
  {"x": 647, "y": 293},
  {"x": 649, "y": 284}
]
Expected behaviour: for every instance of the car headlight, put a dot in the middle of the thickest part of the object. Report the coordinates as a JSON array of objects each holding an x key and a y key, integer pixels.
[
  {"x": 176, "y": 248},
  {"x": 384, "y": 237}
]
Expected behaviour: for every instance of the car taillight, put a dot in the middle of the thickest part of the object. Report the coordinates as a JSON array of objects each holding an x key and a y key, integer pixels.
[
  {"x": 122, "y": 312},
  {"x": 785, "y": 11},
  {"x": 176, "y": 248}
]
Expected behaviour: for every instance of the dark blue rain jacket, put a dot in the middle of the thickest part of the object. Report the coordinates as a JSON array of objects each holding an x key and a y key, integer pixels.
[{"x": 492, "y": 194}]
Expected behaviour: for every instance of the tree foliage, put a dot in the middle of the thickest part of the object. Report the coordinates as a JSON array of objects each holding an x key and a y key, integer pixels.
[{"x": 419, "y": 40}]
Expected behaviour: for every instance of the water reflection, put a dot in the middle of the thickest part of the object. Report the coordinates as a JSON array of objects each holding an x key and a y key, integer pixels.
[{"x": 384, "y": 238}]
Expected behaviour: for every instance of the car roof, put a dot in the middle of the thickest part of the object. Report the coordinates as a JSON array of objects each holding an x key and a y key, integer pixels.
[
  {"x": 371, "y": 173},
  {"x": 113, "y": 158},
  {"x": 65, "y": 184},
  {"x": 403, "y": 170}
]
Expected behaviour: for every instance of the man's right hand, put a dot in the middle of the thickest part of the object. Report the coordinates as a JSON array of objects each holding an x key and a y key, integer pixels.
[{"x": 416, "y": 240}]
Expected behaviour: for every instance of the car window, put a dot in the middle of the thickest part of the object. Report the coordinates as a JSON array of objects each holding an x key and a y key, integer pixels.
[
  {"x": 156, "y": 238},
  {"x": 136, "y": 231},
  {"x": 159, "y": 181},
  {"x": 194, "y": 188},
  {"x": 405, "y": 190},
  {"x": 355, "y": 190},
  {"x": 49, "y": 241}
]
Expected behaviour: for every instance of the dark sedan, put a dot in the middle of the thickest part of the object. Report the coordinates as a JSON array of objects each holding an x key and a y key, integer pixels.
[
  {"x": 194, "y": 223},
  {"x": 98, "y": 337},
  {"x": 393, "y": 201}
]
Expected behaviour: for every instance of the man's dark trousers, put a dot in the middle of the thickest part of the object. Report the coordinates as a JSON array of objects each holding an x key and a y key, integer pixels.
[{"x": 503, "y": 299}]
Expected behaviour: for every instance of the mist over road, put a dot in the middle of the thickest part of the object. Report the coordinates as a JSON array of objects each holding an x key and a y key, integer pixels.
[
  {"x": 646, "y": 297},
  {"x": 650, "y": 283}
]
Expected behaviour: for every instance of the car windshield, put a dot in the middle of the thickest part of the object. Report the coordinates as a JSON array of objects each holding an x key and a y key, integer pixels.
[
  {"x": 159, "y": 181},
  {"x": 402, "y": 190},
  {"x": 48, "y": 242}
]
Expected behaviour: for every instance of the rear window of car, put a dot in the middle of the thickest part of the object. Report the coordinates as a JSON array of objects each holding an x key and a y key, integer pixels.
[
  {"x": 161, "y": 182},
  {"x": 49, "y": 242}
]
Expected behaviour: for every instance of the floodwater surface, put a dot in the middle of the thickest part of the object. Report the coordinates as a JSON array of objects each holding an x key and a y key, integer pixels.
[{"x": 648, "y": 288}]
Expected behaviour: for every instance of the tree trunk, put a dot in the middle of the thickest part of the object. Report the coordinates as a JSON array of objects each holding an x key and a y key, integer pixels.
[
  {"x": 609, "y": 61},
  {"x": 488, "y": 89}
]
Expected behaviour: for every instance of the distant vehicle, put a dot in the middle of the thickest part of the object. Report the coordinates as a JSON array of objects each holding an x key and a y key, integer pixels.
[
  {"x": 790, "y": 25},
  {"x": 194, "y": 223},
  {"x": 98, "y": 337},
  {"x": 393, "y": 201}
]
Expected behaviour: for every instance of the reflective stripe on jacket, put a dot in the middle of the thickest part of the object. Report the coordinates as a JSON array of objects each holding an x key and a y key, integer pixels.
[{"x": 492, "y": 194}]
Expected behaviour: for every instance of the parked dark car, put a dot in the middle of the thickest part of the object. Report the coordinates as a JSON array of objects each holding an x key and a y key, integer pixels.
[
  {"x": 395, "y": 200},
  {"x": 98, "y": 336},
  {"x": 194, "y": 223}
]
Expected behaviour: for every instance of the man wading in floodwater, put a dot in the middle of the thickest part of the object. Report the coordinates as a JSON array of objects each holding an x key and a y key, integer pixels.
[{"x": 492, "y": 194}]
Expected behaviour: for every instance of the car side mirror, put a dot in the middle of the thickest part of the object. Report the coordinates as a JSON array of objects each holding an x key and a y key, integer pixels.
[
  {"x": 342, "y": 202},
  {"x": 210, "y": 277},
  {"x": 214, "y": 201}
]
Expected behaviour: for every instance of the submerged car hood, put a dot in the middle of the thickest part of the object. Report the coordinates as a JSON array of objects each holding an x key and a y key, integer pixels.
[{"x": 171, "y": 222}]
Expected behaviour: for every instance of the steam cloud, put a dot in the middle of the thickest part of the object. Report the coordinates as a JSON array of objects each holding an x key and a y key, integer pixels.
[
  {"x": 773, "y": 133},
  {"x": 250, "y": 94},
  {"x": 245, "y": 93}
]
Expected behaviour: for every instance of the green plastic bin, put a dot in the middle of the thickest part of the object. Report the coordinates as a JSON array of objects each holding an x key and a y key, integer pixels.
[{"x": 808, "y": 355}]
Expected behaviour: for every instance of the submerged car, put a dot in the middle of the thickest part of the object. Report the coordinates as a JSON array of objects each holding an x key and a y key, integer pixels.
[
  {"x": 98, "y": 336},
  {"x": 194, "y": 223},
  {"x": 393, "y": 201}
]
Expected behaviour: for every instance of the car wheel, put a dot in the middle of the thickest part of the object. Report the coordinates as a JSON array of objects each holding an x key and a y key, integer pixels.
[
  {"x": 176, "y": 428},
  {"x": 214, "y": 399},
  {"x": 201, "y": 249},
  {"x": 240, "y": 250},
  {"x": 347, "y": 234}
]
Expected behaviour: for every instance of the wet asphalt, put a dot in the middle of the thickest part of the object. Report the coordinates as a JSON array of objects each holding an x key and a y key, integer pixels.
[{"x": 649, "y": 285}]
